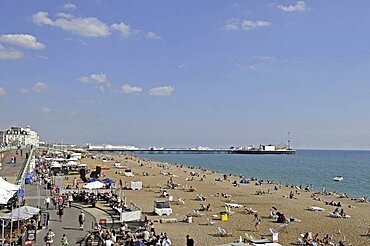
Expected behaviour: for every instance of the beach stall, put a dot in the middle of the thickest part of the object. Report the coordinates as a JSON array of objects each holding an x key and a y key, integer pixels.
[
  {"x": 162, "y": 207},
  {"x": 56, "y": 168},
  {"x": 133, "y": 213},
  {"x": 136, "y": 185}
]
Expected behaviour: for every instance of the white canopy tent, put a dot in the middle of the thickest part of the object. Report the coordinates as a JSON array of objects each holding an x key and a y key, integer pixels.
[
  {"x": 8, "y": 186},
  {"x": 94, "y": 185},
  {"x": 21, "y": 213},
  {"x": 5, "y": 195}
]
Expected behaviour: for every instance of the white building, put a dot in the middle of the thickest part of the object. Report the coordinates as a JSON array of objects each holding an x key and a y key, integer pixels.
[{"x": 16, "y": 136}]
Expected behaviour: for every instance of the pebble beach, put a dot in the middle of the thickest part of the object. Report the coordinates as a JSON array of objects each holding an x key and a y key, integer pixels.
[{"x": 218, "y": 189}]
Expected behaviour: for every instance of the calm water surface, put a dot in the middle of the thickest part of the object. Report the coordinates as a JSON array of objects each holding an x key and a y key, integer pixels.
[{"x": 316, "y": 167}]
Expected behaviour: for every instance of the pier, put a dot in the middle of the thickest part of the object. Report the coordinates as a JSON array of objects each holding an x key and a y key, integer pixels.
[{"x": 194, "y": 151}]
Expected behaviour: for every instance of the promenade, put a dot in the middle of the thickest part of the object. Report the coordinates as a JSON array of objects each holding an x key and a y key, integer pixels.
[
  {"x": 68, "y": 226},
  {"x": 9, "y": 170}
]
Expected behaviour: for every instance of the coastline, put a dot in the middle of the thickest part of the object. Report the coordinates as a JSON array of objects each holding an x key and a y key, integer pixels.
[{"x": 239, "y": 223}]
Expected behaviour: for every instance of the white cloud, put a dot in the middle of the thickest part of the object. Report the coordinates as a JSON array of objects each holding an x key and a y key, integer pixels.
[
  {"x": 39, "y": 87},
  {"x": 9, "y": 53},
  {"x": 69, "y": 6},
  {"x": 128, "y": 89},
  {"x": 24, "y": 91},
  {"x": 23, "y": 40},
  {"x": 232, "y": 25},
  {"x": 2, "y": 92},
  {"x": 86, "y": 27},
  {"x": 300, "y": 6},
  {"x": 249, "y": 24},
  {"x": 124, "y": 29},
  {"x": 181, "y": 66},
  {"x": 98, "y": 80},
  {"x": 236, "y": 24},
  {"x": 152, "y": 35},
  {"x": 46, "y": 110},
  {"x": 64, "y": 15},
  {"x": 161, "y": 91}
]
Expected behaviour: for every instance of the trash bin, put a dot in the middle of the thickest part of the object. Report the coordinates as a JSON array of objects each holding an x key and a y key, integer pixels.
[{"x": 223, "y": 216}]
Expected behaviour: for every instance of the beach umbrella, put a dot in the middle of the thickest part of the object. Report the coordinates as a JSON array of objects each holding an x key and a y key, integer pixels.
[
  {"x": 92, "y": 180},
  {"x": 108, "y": 181}
]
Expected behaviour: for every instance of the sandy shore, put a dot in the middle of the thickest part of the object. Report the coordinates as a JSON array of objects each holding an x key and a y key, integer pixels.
[{"x": 354, "y": 229}]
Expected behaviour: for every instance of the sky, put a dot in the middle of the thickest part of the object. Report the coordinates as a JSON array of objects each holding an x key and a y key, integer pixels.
[{"x": 183, "y": 73}]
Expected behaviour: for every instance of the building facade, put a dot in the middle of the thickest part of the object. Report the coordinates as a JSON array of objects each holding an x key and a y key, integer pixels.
[{"x": 16, "y": 136}]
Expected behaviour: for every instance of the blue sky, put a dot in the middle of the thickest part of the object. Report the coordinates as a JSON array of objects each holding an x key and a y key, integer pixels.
[{"x": 188, "y": 73}]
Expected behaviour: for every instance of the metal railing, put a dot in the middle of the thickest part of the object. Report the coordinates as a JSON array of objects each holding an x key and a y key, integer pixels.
[{"x": 23, "y": 171}]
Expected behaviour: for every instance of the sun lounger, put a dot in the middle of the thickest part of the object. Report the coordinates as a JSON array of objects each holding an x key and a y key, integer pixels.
[
  {"x": 222, "y": 232},
  {"x": 316, "y": 209}
]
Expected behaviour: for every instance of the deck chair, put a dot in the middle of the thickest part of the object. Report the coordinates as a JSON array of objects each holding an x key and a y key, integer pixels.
[
  {"x": 222, "y": 232},
  {"x": 180, "y": 201},
  {"x": 196, "y": 213},
  {"x": 211, "y": 222},
  {"x": 248, "y": 237},
  {"x": 283, "y": 228},
  {"x": 300, "y": 242},
  {"x": 228, "y": 210}
]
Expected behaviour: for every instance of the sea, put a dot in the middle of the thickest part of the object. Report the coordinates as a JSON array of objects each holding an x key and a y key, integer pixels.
[{"x": 306, "y": 167}]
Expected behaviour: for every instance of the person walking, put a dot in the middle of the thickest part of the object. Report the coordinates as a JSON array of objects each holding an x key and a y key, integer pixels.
[
  {"x": 60, "y": 212},
  {"x": 70, "y": 200},
  {"x": 49, "y": 238},
  {"x": 47, "y": 202},
  {"x": 64, "y": 240},
  {"x": 189, "y": 241},
  {"x": 81, "y": 220},
  {"x": 257, "y": 221}
]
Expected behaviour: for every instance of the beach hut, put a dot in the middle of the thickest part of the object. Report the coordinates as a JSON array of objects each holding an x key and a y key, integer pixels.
[{"x": 162, "y": 207}]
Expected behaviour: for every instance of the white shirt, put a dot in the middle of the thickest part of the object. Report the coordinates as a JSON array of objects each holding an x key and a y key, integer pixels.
[{"x": 166, "y": 242}]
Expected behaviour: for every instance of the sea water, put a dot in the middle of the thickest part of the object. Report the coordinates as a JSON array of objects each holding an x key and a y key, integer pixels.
[{"x": 306, "y": 167}]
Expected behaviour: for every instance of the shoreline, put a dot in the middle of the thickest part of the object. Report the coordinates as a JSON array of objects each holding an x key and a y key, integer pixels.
[
  {"x": 260, "y": 198},
  {"x": 318, "y": 188}
]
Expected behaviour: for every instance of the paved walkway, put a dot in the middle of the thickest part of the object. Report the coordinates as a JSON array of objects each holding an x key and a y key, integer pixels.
[
  {"x": 68, "y": 226},
  {"x": 9, "y": 170}
]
